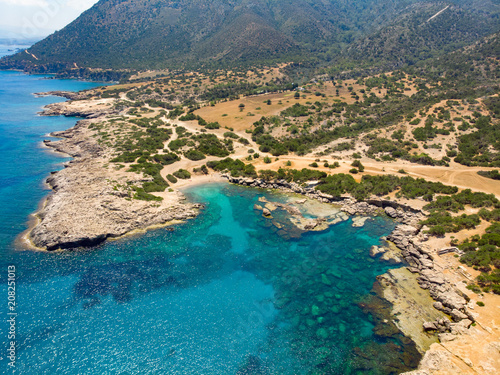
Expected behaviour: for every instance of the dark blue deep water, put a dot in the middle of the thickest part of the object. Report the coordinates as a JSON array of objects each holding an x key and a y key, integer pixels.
[{"x": 226, "y": 293}]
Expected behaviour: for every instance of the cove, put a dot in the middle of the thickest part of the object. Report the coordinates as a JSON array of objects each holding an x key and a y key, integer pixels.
[
  {"x": 221, "y": 294},
  {"x": 226, "y": 293}
]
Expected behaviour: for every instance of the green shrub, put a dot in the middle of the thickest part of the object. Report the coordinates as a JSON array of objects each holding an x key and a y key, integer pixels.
[
  {"x": 172, "y": 179},
  {"x": 236, "y": 167},
  {"x": 357, "y": 164},
  {"x": 213, "y": 126},
  {"x": 194, "y": 155},
  {"x": 140, "y": 194},
  {"x": 490, "y": 174},
  {"x": 231, "y": 135},
  {"x": 166, "y": 159},
  {"x": 182, "y": 174}
]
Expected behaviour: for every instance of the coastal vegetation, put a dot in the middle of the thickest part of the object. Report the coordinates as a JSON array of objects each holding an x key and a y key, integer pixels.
[{"x": 494, "y": 175}]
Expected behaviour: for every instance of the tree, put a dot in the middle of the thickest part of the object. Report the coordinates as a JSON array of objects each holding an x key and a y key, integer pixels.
[{"x": 241, "y": 107}]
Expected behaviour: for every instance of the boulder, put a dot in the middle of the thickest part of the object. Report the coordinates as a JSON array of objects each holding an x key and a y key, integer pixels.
[
  {"x": 429, "y": 326},
  {"x": 391, "y": 212},
  {"x": 375, "y": 250},
  {"x": 452, "y": 300},
  {"x": 458, "y": 315}
]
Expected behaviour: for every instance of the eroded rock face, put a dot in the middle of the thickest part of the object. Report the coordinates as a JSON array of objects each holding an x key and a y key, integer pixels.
[
  {"x": 87, "y": 208},
  {"x": 65, "y": 109},
  {"x": 80, "y": 106}
]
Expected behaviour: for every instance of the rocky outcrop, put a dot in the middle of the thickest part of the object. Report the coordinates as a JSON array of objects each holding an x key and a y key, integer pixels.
[
  {"x": 448, "y": 299},
  {"x": 373, "y": 207},
  {"x": 71, "y": 95},
  {"x": 68, "y": 110}
]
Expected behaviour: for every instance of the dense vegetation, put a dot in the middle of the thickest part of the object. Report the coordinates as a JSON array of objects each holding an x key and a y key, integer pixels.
[
  {"x": 236, "y": 167},
  {"x": 483, "y": 253},
  {"x": 482, "y": 146}
]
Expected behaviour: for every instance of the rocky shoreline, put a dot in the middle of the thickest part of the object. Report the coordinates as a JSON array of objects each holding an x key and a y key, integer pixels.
[
  {"x": 88, "y": 204},
  {"x": 71, "y": 95},
  {"x": 409, "y": 237}
]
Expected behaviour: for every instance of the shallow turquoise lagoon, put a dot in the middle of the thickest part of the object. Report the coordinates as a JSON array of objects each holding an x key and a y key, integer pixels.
[{"x": 225, "y": 293}]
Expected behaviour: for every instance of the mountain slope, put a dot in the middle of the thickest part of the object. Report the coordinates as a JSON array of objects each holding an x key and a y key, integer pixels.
[
  {"x": 157, "y": 34},
  {"x": 426, "y": 30}
]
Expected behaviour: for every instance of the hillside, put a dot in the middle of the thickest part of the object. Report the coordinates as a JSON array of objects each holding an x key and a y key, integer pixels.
[{"x": 160, "y": 34}]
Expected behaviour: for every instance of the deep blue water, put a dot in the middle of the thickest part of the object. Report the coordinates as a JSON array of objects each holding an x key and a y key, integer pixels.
[{"x": 225, "y": 293}]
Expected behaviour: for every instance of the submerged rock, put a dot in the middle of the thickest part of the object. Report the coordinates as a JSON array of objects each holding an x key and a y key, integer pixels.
[
  {"x": 266, "y": 212},
  {"x": 325, "y": 280},
  {"x": 315, "y": 310},
  {"x": 375, "y": 250},
  {"x": 322, "y": 333},
  {"x": 359, "y": 222}
]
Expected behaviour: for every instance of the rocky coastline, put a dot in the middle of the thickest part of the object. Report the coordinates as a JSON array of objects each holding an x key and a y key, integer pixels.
[
  {"x": 88, "y": 204},
  {"x": 71, "y": 95},
  {"x": 409, "y": 238}
]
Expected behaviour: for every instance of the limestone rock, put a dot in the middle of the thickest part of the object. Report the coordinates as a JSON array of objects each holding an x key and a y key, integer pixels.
[
  {"x": 391, "y": 212},
  {"x": 375, "y": 250},
  {"x": 452, "y": 300},
  {"x": 429, "y": 326},
  {"x": 458, "y": 315},
  {"x": 359, "y": 222}
]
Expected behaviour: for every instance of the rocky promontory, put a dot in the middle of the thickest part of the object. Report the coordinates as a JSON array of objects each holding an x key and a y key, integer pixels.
[
  {"x": 71, "y": 95},
  {"x": 92, "y": 200}
]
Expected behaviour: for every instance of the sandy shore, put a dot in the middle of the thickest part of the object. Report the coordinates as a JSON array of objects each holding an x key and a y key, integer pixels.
[{"x": 196, "y": 180}]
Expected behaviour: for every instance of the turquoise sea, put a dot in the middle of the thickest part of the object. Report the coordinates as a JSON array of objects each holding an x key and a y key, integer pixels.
[{"x": 225, "y": 293}]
